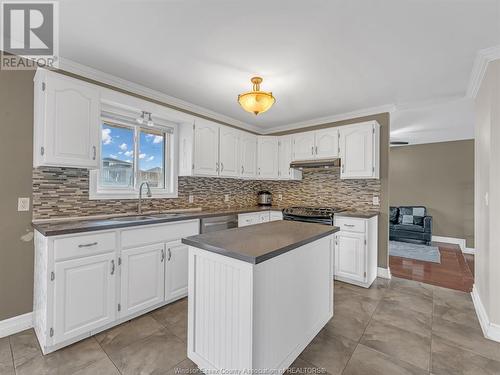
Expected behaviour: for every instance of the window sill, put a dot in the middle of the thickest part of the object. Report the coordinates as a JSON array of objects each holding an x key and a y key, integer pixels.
[{"x": 110, "y": 194}]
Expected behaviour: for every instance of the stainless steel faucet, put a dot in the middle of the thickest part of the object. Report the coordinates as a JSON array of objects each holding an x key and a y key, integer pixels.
[{"x": 139, "y": 206}]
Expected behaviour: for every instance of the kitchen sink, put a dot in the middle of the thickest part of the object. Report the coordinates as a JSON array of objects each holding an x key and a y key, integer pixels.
[{"x": 133, "y": 218}]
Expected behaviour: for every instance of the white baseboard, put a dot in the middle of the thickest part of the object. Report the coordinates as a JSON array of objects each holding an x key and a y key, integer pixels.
[
  {"x": 16, "y": 324},
  {"x": 456, "y": 241},
  {"x": 490, "y": 330},
  {"x": 384, "y": 273}
]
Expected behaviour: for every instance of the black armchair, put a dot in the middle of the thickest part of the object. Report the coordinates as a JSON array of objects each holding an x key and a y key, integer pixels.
[{"x": 410, "y": 224}]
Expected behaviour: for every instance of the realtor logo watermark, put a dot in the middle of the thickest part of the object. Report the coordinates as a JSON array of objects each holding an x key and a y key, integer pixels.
[{"x": 29, "y": 35}]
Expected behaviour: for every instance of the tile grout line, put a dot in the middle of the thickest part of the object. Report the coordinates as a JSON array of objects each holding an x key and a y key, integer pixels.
[
  {"x": 367, "y": 324},
  {"x": 107, "y": 355},
  {"x": 12, "y": 355}
]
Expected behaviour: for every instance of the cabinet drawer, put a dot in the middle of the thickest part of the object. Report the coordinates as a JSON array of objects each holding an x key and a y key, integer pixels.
[
  {"x": 351, "y": 224},
  {"x": 159, "y": 233},
  {"x": 84, "y": 245}
]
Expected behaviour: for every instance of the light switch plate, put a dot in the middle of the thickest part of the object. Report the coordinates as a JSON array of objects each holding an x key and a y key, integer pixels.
[
  {"x": 226, "y": 197},
  {"x": 191, "y": 198},
  {"x": 376, "y": 201},
  {"x": 23, "y": 204},
  {"x": 280, "y": 197}
]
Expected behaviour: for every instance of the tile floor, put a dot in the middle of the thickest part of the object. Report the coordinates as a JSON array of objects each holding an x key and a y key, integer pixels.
[
  {"x": 453, "y": 272},
  {"x": 396, "y": 327}
]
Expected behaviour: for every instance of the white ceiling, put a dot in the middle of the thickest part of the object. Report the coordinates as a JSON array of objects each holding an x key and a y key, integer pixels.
[{"x": 319, "y": 58}]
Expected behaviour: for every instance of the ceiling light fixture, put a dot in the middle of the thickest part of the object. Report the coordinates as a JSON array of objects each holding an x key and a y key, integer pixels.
[
  {"x": 256, "y": 101},
  {"x": 142, "y": 118}
]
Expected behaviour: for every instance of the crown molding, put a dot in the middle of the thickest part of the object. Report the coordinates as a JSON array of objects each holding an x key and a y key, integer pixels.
[
  {"x": 135, "y": 88},
  {"x": 329, "y": 119},
  {"x": 483, "y": 58}
]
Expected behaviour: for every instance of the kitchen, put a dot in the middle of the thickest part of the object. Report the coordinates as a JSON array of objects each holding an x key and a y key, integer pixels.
[{"x": 97, "y": 264}]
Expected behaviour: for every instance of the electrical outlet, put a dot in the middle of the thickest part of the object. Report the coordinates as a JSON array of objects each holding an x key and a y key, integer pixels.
[
  {"x": 226, "y": 197},
  {"x": 280, "y": 197},
  {"x": 191, "y": 198},
  {"x": 376, "y": 201},
  {"x": 23, "y": 204}
]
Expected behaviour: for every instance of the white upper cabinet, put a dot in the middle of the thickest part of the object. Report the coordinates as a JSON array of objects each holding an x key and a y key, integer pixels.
[
  {"x": 326, "y": 143},
  {"x": 66, "y": 121},
  {"x": 229, "y": 149},
  {"x": 267, "y": 157},
  {"x": 205, "y": 148},
  {"x": 285, "y": 158},
  {"x": 317, "y": 144},
  {"x": 303, "y": 146},
  {"x": 248, "y": 155},
  {"x": 360, "y": 151}
]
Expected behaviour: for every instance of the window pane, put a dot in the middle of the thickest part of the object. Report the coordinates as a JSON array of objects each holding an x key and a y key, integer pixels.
[
  {"x": 152, "y": 158},
  {"x": 117, "y": 156}
]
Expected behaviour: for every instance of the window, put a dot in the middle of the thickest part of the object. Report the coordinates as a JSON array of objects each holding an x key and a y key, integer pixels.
[{"x": 131, "y": 155}]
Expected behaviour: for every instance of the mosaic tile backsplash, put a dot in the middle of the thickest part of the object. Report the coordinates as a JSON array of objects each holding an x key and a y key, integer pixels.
[{"x": 64, "y": 192}]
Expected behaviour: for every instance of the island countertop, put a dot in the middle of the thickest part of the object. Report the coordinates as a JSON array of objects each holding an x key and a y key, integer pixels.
[{"x": 260, "y": 242}]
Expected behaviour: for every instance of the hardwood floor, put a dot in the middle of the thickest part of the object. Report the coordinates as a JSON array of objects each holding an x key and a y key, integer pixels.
[{"x": 453, "y": 272}]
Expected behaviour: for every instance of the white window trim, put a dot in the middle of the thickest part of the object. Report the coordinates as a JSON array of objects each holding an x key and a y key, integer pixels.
[{"x": 97, "y": 192}]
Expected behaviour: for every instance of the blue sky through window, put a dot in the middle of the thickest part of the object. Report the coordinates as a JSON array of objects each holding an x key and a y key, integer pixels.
[{"x": 118, "y": 143}]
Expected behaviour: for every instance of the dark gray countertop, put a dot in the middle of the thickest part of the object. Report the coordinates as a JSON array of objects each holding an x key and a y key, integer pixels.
[
  {"x": 260, "y": 242},
  {"x": 55, "y": 228},
  {"x": 358, "y": 214}
]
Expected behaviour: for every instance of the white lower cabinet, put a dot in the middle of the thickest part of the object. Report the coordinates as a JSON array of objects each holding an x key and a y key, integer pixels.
[
  {"x": 84, "y": 295},
  {"x": 176, "y": 277},
  {"x": 356, "y": 250},
  {"x": 258, "y": 218},
  {"x": 86, "y": 283},
  {"x": 142, "y": 278}
]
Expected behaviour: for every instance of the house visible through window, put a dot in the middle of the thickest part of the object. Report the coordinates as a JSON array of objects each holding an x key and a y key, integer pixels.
[{"x": 130, "y": 155}]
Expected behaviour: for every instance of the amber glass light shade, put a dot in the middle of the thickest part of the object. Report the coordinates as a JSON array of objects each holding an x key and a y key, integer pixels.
[{"x": 256, "y": 101}]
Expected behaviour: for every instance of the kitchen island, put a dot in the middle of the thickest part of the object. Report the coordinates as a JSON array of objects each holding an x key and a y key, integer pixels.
[{"x": 258, "y": 295}]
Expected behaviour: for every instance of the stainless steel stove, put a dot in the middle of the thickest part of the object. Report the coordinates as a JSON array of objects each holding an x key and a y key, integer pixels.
[{"x": 321, "y": 215}]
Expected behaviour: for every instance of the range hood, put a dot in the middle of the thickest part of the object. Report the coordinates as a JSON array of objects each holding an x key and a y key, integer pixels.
[{"x": 321, "y": 163}]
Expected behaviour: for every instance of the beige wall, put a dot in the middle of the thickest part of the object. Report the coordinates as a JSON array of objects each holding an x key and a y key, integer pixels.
[
  {"x": 439, "y": 176},
  {"x": 383, "y": 229},
  {"x": 487, "y": 192},
  {"x": 16, "y": 245}
]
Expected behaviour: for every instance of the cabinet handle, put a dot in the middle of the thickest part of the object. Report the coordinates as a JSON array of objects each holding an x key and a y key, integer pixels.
[
  {"x": 217, "y": 166},
  {"x": 343, "y": 168},
  {"x": 242, "y": 170},
  {"x": 113, "y": 267},
  {"x": 348, "y": 225},
  {"x": 94, "y": 152},
  {"x": 162, "y": 255},
  {"x": 312, "y": 150},
  {"x": 88, "y": 244},
  {"x": 221, "y": 166},
  {"x": 316, "y": 149},
  {"x": 169, "y": 254}
]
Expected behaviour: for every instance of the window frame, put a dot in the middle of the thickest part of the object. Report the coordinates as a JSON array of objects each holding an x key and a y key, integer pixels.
[{"x": 170, "y": 175}]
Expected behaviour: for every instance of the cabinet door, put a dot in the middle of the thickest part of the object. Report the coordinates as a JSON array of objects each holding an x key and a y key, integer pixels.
[
  {"x": 206, "y": 148},
  {"x": 285, "y": 157},
  {"x": 327, "y": 143},
  {"x": 356, "y": 151},
  {"x": 263, "y": 217},
  {"x": 142, "y": 278},
  {"x": 229, "y": 151},
  {"x": 85, "y": 295},
  {"x": 248, "y": 148},
  {"x": 176, "y": 271},
  {"x": 267, "y": 157},
  {"x": 71, "y": 123},
  {"x": 303, "y": 146},
  {"x": 350, "y": 255}
]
